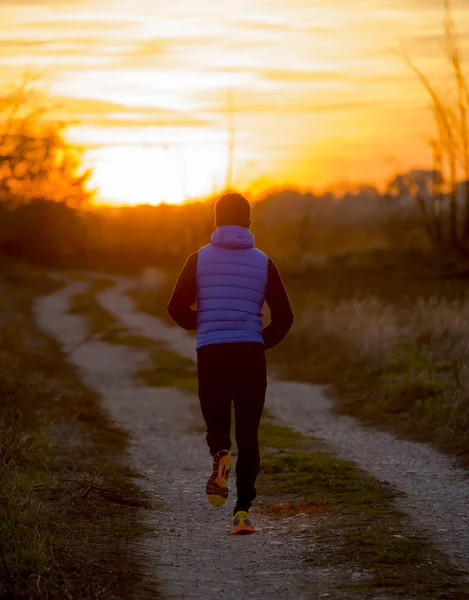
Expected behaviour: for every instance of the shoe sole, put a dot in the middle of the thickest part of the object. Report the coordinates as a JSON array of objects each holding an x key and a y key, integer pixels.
[
  {"x": 217, "y": 485},
  {"x": 243, "y": 530}
]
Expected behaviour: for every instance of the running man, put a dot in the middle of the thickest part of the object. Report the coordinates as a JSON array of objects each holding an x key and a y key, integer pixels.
[{"x": 229, "y": 280}]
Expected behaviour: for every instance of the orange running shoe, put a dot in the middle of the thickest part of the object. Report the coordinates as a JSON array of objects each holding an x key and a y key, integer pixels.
[
  {"x": 217, "y": 483},
  {"x": 242, "y": 524}
]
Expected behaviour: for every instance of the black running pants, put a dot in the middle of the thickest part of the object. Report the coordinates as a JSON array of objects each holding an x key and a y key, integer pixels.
[{"x": 235, "y": 373}]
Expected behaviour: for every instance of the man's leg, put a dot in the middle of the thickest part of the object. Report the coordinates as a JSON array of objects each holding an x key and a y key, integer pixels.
[
  {"x": 215, "y": 401},
  {"x": 249, "y": 401},
  {"x": 215, "y": 397}
]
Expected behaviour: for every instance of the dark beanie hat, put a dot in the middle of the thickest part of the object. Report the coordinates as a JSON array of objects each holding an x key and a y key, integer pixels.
[{"x": 232, "y": 209}]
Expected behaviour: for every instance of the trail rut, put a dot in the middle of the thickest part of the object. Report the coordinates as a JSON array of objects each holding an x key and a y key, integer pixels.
[
  {"x": 192, "y": 553},
  {"x": 437, "y": 491}
]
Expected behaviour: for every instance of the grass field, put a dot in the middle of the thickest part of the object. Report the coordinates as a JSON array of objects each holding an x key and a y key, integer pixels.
[{"x": 70, "y": 507}]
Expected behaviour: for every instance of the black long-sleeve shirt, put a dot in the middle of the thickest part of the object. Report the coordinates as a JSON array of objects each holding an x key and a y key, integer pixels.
[{"x": 184, "y": 297}]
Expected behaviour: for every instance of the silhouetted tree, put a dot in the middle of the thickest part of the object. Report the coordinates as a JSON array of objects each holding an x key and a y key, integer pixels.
[{"x": 35, "y": 160}]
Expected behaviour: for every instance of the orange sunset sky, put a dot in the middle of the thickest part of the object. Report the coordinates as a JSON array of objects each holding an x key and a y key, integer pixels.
[{"x": 319, "y": 95}]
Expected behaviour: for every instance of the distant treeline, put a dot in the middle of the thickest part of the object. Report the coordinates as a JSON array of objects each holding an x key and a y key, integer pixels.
[{"x": 287, "y": 223}]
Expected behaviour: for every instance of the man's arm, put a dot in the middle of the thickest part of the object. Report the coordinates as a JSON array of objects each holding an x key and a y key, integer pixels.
[
  {"x": 280, "y": 309},
  {"x": 184, "y": 296}
]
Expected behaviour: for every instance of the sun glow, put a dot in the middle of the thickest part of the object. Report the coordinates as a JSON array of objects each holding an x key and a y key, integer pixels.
[{"x": 135, "y": 175}]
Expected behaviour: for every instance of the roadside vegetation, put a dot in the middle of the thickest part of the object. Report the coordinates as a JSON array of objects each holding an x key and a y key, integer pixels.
[
  {"x": 166, "y": 368},
  {"x": 396, "y": 356},
  {"x": 102, "y": 324},
  {"x": 70, "y": 508},
  {"x": 153, "y": 291}
]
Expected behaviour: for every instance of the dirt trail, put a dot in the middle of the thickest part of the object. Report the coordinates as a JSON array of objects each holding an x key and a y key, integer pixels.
[
  {"x": 437, "y": 491},
  {"x": 192, "y": 553}
]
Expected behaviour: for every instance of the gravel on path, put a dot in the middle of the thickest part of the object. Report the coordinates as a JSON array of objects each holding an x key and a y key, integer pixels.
[
  {"x": 191, "y": 553},
  {"x": 437, "y": 491}
]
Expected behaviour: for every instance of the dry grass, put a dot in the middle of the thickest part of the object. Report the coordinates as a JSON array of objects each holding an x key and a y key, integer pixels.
[
  {"x": 166, "y": 368},
  {"x": 404, "y": 366},
  {"x": 153, "y": 291},
  {"x": 70, "y": 512},
  {"x": 101, "y": 323},
  {"x": 354, "y": 519}
]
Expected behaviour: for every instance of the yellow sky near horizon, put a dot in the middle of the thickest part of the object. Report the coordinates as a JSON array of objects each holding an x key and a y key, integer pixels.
[{"x": 319, "y": 95}]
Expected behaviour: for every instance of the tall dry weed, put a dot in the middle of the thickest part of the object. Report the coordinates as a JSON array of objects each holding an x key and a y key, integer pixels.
[
  {"x": 373, "y": 328},
  {"x": 367, "y": 327}
]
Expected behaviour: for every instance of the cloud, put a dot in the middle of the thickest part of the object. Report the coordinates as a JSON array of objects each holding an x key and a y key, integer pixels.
[
  {"x": 284, "y": 76},
  {"x": 147, "y": 122},
  {"x": 279, "y": 27},
  {"x": 15, "y": 3},
  {"x": 35, "y": 48},
  {"x": 278, "y": 105},
  {"x": 298, "y": 76},
  {"x": 264, "y": 26},
  {"x": 77, "y": 24},
  {"x": 162, "y": 52},
  {"x": 364, "y": 6},
  {"x": 106, "y": 114},
  {"x": 22, "y": 43}
]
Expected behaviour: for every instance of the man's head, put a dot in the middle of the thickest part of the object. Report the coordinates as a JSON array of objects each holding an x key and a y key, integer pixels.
[{"x": 233, "y": 209}]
